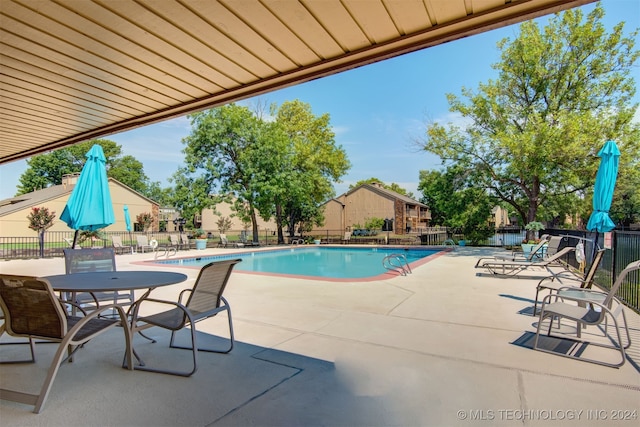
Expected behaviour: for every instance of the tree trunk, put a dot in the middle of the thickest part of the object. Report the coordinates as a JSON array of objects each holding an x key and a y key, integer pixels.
[
  {"x": 533, "y": 207},
  {"x": 41, "y": 242},
  {"x": 279, "y": 224}
]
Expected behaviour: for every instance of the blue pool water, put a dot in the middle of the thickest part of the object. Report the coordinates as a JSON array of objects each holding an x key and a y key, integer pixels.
[{"x": 338, "y": 263}]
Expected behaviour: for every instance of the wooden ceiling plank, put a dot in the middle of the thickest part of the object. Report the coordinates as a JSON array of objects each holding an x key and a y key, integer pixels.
[
  {"x": 374, "y": 20},
  {"x": 223, "y": 20},
  {"x": 58, "y": 97},
  {"x": 178, "y": 47},
  {"x": 208, "y": 44},
  {"x": 39, "y": 111},
  {"x": 21, "y": 125},
  {"x": 337, "y": 21},
  {"x": 14, "y": 66},
  {"x": 63, "y": 127},
  {"x": 99, "y": 52},
  {"x": 478, "y": 6},
  {"x": 304, "y": 25},
  {"x": 447, "y": 11},
  {"x": 408, "y": 15},
  {"x": 262, "y": 21},
  {"x": 40, "y": 56},
  {"x": 42, "y": 85},
  {"x": 33, "y": 100}
]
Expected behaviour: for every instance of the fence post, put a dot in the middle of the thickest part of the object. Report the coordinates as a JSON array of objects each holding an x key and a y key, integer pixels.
[{"x": 614, "y": 245}]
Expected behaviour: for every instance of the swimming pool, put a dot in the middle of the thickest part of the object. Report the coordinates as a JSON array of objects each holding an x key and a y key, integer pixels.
[{"x": 320, "y": 263}]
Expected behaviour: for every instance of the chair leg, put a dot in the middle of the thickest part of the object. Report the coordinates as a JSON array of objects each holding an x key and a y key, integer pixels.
[
  {"x": 620, "y": 347},
  {"x": 32, "y": 348},
  {"x": 194, "y": 349},
  {"x": 231, "y": 336}
]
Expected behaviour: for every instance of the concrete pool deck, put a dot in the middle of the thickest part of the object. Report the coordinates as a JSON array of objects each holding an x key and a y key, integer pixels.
[{"x": 441, "y": 347}]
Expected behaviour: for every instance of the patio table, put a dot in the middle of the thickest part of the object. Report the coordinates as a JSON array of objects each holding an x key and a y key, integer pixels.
[
  {"x": 113, "y": 281},
  {"x": 109, "y": 281}
]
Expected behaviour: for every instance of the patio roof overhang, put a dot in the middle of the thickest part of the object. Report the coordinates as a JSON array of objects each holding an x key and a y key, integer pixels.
[{"x": 78, "y": 70}]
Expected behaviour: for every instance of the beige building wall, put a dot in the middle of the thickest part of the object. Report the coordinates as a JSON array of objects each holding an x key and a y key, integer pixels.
[
  {"x": 363, "y": 204},
  {"x": 210, "y": 219},
  {"x": 16, "y": 224},
  {"x": 501, "y": 216},
  {"x": 333, "y": 216}
]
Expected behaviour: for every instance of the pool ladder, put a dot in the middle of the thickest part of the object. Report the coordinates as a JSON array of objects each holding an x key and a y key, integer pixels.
[{"x": 397, "y": 263}]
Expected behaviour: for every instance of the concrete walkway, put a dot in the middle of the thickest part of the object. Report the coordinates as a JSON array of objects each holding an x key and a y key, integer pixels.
[{"x": 440, "y": 347}]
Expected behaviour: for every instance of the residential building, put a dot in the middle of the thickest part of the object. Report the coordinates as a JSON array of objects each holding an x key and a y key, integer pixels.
[
  {"x": 14, "y": 211},
  {"x": 368, "y": 201}
]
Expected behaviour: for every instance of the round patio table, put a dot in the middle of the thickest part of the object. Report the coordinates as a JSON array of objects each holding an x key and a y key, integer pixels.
[{"x": 106, "y": 281}]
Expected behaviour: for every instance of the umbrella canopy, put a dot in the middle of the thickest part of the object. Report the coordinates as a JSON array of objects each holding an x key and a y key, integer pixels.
[
  {"x": 127, "y": 218},
  {"x": 89, "y": 206},
  {"x": 603, "y": 190}
]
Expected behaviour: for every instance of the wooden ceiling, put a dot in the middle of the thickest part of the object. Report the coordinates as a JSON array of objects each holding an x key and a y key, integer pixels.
[{"x": 73, "y": 70}]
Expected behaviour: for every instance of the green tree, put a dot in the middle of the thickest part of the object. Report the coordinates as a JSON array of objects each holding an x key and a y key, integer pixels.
[
  {"x": 219, "y": 155},
  {"x": 313, "y": 162},
  {"x": 455, "y": 202},
  {"x": 224, "y": 224},
  {"x": 282, "y": 168},
  {"x": 393, "y": 186},
  {"x": 40, "y": 219},
  {"x": 145, "y": 220},
  {"x": 625, "y": 208},
  {"x": 45, "y": 170},
  {"x": 561, "y": 92}
]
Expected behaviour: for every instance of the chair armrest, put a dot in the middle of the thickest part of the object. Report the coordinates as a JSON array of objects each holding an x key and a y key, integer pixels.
[
  {"x": 182, "y": 294},
  {"x": 137, "y": 305},
  {"x": 63, "y": 302},
  {"x": 584, "y": 300}
]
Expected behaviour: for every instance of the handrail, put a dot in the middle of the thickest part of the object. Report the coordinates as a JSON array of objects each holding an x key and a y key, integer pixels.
[
  {"x": 168, "y": 251},
  {"x": 397, "y": 263}
]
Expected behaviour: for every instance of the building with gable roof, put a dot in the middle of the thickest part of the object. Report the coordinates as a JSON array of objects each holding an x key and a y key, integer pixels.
[
  {"x": 367, "y": 201},
  {"x": 14, "y": 211}
]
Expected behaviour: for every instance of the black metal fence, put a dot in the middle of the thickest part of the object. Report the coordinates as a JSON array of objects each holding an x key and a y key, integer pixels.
[{"x": 624, "y": 247}]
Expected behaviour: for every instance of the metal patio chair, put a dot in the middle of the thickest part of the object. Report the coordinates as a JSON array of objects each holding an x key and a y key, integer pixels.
[
  {"x": 587, "y": 308},
  {"x": 555, "y": 282},
  {"x": 119, "y": 247},
  {"x": 203, "y": 301},
  {"x": 78, "y": 261},
  {"x": 32, "y": 310}
]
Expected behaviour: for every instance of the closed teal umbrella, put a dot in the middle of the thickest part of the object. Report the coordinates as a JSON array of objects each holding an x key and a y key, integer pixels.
[
  {"x": 127, "y": 220},
  {"x": 89, "y": 206},
  {"x": 599, "y": 220}
]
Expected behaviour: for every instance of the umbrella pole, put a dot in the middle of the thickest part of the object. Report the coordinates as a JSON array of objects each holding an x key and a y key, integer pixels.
[{"x": 75, "y": 239}]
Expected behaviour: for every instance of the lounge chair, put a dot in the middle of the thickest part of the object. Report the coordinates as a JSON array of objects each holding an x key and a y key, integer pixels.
[
  {"x": 184, "y": 242},
  {"x": 78, "y": 261},
  {"x": 247, "y": 242},
  {"x": 69, "y": 242},
  {"x": 204, "y": 300},
  {"x": 347, "y": 237},
  {"x": 119, "y": 247},
  {"x": 33, "y": 311},
  {"x": 588, "y": 307},
  {"x": 143, "y": 243},
  {"x": 548, "y": 246},
  {"x": 557, "y": 281},
  {"x": 513, "y": 268}
]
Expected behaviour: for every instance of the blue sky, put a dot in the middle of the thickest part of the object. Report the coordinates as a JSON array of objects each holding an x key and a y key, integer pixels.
[{"x": 377, "y": 111}]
